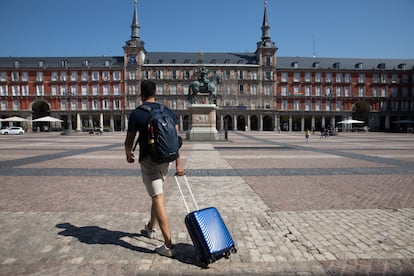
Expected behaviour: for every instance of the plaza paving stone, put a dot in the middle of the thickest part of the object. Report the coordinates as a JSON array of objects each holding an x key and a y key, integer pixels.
[{"x": 72, "y": 205}]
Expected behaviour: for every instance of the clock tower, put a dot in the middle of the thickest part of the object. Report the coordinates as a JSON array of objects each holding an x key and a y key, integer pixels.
[{"x": 134, "y": 56}]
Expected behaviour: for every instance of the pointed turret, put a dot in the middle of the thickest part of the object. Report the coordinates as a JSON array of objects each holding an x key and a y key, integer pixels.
[
  {"x": 135, "y": 40},
  {"x": 266, "y": 40}
]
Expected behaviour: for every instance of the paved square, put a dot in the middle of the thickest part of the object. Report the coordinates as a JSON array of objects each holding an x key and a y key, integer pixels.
[{"x": 71, "y": 205}]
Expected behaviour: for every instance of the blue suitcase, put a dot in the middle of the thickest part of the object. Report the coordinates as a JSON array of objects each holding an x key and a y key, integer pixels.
[{"x": 208, "y": 231}]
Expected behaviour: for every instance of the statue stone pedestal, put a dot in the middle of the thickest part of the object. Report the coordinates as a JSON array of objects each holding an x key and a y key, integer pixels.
[{"x": 202, "y": 122}]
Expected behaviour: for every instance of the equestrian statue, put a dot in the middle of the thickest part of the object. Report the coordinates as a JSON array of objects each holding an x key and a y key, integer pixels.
[{"x": 204, "y": 85}]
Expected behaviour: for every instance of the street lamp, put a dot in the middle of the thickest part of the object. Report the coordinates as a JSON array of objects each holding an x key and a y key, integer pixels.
[{"x": 68, "y": 94}]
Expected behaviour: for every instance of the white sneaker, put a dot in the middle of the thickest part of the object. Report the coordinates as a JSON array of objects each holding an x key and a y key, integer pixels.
[
  {"x": 165, "y": 251},
  {"x": 149, "y": 233}
]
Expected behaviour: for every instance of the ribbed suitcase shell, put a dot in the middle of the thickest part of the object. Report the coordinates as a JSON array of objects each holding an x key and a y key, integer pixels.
[{"x": 209, "y": 234}]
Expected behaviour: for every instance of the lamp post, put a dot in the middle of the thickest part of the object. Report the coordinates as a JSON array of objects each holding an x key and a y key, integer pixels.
[{"x": 68, "y": 94}]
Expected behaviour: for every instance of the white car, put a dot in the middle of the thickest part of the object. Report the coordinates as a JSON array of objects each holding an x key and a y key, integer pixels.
[{"x": 12, "y": 130}]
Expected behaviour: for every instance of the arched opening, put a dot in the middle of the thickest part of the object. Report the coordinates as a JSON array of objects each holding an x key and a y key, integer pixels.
[
  {"x": 228, "y": 122},
  {"x": 268, "y": 123},
  {"x": 241, "y": 123},
  {"x": 40, "y": 109},
  {"x": 254, "y": 123}
]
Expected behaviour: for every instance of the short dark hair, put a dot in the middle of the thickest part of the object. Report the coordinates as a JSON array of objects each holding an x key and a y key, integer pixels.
[{"x": 148, "y": 89}]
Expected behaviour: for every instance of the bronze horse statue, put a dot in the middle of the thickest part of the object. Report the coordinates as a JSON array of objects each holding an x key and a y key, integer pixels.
[{"x": 204, "y": 85}]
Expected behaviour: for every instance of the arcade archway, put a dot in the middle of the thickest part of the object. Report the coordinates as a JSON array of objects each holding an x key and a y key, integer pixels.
[{"x": 361, "y": 111}]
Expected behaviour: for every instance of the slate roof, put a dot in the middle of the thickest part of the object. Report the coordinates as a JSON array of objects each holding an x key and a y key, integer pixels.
[{"x": 221, "y": 59}]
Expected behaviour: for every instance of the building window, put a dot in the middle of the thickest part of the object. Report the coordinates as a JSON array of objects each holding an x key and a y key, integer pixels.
[
  {"x": 296, "y": 77},
  {"x": 116, "y": 75},
  {"x": 318, "y": 77},
  {"x": 384, "y": 92},
  {"x": 308, "y": 105},
  {"x": 106, "y": 75},
  {"x": 117, "y": 104},
  {"x": 174, "y": 74},
  {"x": 338, "y": 105},
  {"x": 241, "y": 88},
  {"x": 106, "y": 104},
  {"x": 268, "y": 75},
  {"x": 95, "y": 90},
  {"x": 268, "y": 60},
  {"x": 284, "y": 90},
  {"x": 347, "y": 91},
  {"x": 347, "y": 77},
  {"x": 384, "y": 78},
  {"x": 296, "y": 105},
  {"x": 105, "y": 89},
  {"x": 375, "y": 78},
  {"x": 117, "y": 89},
  {"x": 84, "y": 105},
  {"x": 307, "y": 90},
  {"x": 3, "y": 76},
  {"x": 15, "y": 90},
  {"x": 132, "y": 90},
  {"x": 95, "y": 105},
  {"x": 74, "y": 105},
  {"x": 63, "y": 76},
  {"x": 267, "y": 90},
  {"x": 160, "y": 74},
  {"x": 173, "y": 90},
  {"x": 95, "y": 76},
  {"x": 308, "y": 77},
  {"x": 317, "y": 105},
  {"x": 361, "y": 91},
  {"x": 15, "y": 76},
  {"x": 241, "y": 75},
  {"x": 25, "y": 76},
  {"x": 361, "y": 78},
  {"x": 253, "y": 75},
  {"x": 284, "y": 77},
  {"x": 25, "y": 90},
  {"x": 328, "y": 77},
  {"x": 3, "y": 105},
  {"x": 3, "y": 90},
  {"x": 84, "y": 90},
  {"x": 318, "y": 91},
  {"x": 54, "y": 90},
  {"x": 253, "y": 89},
  {"x": 85, "y": 76},
  {"x": 227, "y": 74},
  {"x": 338, "y": 77},
  {"x": 284, "y": 105},
  {"x": 73, "y": 76},
  {"x": 339, "y": 91},
  {"x": 227, "y": 89},
  {"x": 187, "y": 74},
  {"x": 160, "y": 90},
  {"x": 16, "y": 105}
]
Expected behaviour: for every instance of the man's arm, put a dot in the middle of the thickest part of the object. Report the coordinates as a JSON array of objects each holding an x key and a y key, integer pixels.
[{"x": 128, "y": 144}]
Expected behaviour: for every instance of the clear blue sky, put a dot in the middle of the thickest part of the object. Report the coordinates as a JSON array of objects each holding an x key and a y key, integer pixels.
[{"x": 339, "y": 28}]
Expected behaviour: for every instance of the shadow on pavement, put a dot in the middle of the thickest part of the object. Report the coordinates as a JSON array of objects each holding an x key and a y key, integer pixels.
[
  {"x": 98, "y": 235},
  {"x": 185, "y": 253}
]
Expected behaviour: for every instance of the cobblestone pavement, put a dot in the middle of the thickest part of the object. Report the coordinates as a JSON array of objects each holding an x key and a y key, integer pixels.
[{"x": 71, "y": 205}]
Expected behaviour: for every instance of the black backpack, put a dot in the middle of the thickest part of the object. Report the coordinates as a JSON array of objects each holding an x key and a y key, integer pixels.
[{"x": 163, "y": 140}]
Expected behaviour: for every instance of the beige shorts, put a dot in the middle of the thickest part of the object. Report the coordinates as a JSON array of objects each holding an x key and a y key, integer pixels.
[{"x": 153, "y": 176}]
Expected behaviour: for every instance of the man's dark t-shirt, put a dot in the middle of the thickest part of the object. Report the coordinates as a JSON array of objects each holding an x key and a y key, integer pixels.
[{"x": 138, "y": 121}]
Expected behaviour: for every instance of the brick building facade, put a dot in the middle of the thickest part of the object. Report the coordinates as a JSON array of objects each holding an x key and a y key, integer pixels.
[{"x": 258, "y": 90}]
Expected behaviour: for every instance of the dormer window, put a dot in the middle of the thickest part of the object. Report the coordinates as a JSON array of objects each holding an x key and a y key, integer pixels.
[
  {"x": 336, "y": 65},
  {"x": 40, "y": 64},
  {"x": 295, "y": 64},
  {"x": 107, "y": 63},
  {"x": 402, "y": 66},
  {"x": 16, "y": 64},
  {"x": 86, "y": 63},
  {"x": 381, "y": 66},
  {"x": 64, "y": 63},
  {"x": 316, "y": 64},
  {"x": 358, "y": 65}
]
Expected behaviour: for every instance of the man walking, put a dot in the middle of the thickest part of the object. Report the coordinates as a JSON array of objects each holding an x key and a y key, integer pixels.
[{"x": 153, "y": 174}]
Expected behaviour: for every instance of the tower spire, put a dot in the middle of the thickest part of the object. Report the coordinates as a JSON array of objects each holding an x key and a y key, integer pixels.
[
  {"x": 266, "y": 41},
  {"x": 135, "y": 25}
]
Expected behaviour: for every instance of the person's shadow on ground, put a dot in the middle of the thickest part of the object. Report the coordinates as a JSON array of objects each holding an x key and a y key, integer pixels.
[{"x": 185, "y": 253}]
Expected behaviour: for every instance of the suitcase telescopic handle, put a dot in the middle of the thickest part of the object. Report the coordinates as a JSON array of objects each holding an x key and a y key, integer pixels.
[{"x": 189, "y": 189}]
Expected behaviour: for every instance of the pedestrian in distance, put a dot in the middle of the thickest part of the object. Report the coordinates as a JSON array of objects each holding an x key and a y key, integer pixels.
[
  {"x": 307, "y": 134},
  {"x": 153, "y": 173}
]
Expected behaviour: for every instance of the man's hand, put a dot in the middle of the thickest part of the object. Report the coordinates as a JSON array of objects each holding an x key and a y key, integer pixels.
[{"x": 130, "y": 157}]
